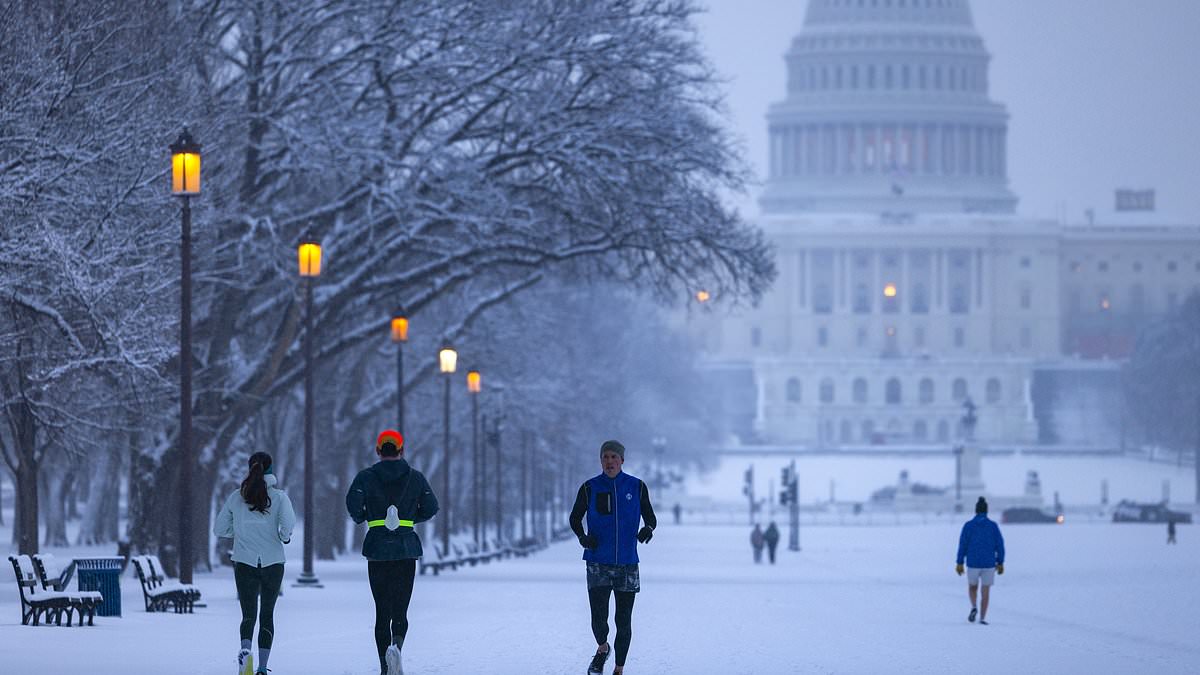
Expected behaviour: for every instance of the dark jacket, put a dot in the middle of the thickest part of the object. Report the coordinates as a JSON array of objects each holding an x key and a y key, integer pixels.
[
  {"x": 980, "y": 543},
  {"x": 615, "y": 509},
  {"x": 379, "y": 486}
]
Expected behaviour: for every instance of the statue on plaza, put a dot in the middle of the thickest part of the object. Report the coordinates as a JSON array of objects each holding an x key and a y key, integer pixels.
[{"x": 971, "y": 469}]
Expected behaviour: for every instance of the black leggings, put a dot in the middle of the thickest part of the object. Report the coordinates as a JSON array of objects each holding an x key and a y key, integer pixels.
[
  {"x": 253, "y": 582},
  {"x": 392, "y": 586},
  {"x": 598, "y": 597}
]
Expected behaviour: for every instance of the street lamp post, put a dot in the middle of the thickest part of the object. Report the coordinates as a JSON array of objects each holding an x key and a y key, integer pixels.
[
  {"x": 474, "y": 386},
  {"x": 310, "y": 268},
  {"x": 958, "y": 452},
  {"x": 447, "y": 362},
  {"x": 660, "y": 444},
  {"x": 400, "y": 336},
  {"x": 496, "y": 440},
  {"x": 185, "y": 182}
]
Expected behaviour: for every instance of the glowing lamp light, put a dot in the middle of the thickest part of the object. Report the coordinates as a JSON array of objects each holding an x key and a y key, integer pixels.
[
  {"x": 703, "y": 296},
  {"x": 310, "y": 258},
  {"x": 448, "y": 360},
  {"x": 185, "y": 166},
  {"x": 399, "y": 325},
  {"x": 889, "y": 291},
  {"x": 474, "y": 381}
]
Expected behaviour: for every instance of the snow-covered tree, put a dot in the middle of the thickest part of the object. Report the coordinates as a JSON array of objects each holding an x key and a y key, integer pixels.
[
  {"x": 84, "y": 295},
  {"x": 1162, "y": 382}
]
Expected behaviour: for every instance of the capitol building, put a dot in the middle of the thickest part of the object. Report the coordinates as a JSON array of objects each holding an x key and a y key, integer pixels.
[{"x": 907, "y": 281}]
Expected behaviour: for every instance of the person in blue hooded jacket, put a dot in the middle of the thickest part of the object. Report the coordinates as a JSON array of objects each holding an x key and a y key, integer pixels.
[
  {"x": 391, "y": 497},
  {"x": 982, "y": 547},
  {"x": 616, "y": 504}
]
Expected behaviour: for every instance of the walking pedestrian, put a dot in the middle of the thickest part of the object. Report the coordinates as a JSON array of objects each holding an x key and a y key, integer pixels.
[
  {"x": 391, "y": 497},
  {"x": 1170, "y": 530},
  {"x": 757, "y": 539},
  {"x": 982, "y": 546},
  {"x": 259, "y": 517},
  {"x": 771, "y": 536},
  {"x": 615, "y": 503}
]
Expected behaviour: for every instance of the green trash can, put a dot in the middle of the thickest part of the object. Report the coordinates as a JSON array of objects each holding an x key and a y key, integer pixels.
[{"x": 104, "y": 575}]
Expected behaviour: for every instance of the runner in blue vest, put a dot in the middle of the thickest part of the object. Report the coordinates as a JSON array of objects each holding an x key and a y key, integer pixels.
[
  {"x": 392, "y": 497},
  {"x": 616, "y": 504}
]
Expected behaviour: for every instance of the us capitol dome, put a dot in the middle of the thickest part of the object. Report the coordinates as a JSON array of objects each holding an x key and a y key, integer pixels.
[{"x": 887, "y": 110}]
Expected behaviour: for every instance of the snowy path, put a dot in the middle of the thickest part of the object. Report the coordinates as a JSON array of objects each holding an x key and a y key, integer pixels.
[{"x": 1094, "y": 598}]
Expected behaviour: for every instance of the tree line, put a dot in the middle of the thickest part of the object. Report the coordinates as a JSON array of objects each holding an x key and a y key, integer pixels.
[{"x": 523, "y": 177}]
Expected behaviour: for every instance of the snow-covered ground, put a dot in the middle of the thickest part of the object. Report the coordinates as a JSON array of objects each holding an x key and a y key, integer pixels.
[{"x": 1076, "y": 598}]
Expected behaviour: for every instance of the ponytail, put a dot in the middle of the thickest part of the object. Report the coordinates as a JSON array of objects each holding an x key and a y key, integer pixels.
[{"x": 254, "y": 488}]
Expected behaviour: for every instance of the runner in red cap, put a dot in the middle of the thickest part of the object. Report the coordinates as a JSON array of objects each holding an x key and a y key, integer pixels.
[{"x": 391, "y": 497}]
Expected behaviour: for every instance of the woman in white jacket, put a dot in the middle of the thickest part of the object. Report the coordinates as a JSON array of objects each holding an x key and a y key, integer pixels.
[{"x": 259, "y": 517}]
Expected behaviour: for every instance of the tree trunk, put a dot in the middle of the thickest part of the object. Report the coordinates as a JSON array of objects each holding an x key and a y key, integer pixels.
[
  {"x": 329, "y": 539},
  {"x": 26, "y": 519},
  {"x": 56, "y": 503},
  {"x": 148, "y": 501},
  {"x": 77, "y": 490},
  {"x": 100, "y": 521}
]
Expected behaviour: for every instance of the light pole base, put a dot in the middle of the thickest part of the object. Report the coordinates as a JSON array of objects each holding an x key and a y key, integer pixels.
[{"x": 307, "y": 580}]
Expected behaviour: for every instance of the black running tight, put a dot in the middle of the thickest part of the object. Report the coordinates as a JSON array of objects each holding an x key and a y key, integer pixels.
[
  {"x": 253, "y": 582},
  {"x": 392, "y": 586},
  {"x": 598, "y": 597}
]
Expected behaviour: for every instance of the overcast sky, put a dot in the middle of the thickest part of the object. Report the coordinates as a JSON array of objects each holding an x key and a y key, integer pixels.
[{"x": 1102, "y": 94}]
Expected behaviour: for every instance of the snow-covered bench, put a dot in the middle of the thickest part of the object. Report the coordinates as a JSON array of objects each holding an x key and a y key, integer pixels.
[
  {"x": 51, "y": 573},
  {"x": 158, "y": 596},
  {"x": 54, "y": 579},
  {"x": 36, "y": 603},
  {"x": 192, "y": 592}
]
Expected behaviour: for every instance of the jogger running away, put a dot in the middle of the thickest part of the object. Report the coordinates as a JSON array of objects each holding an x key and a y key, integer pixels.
[
  {"x": 260, "y": 519},
  {"x": 392, "y": 497},
  {"x": 615, "y": 504}
]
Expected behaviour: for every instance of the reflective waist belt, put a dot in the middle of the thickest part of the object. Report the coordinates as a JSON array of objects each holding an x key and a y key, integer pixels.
[{"x": 383, "y": 523}]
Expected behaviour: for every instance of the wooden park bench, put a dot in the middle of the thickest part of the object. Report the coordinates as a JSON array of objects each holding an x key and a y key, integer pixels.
[
  {"x": 435, "y": 560},
  {"x": 192, "y": 592},
  {"x": 83, "y": 602},
  {"x": 158, "y": 596},
  {"x": 36, "y": 604}
]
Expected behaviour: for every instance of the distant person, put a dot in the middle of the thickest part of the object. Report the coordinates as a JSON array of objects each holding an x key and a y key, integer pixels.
[
  {"x": 678, "y": 513},
  {"x": 259, "y": 517},
  {"x": 1170, "y": 530},
  {"x": 757, "y": 539},
  {"x": 391, "y": 497},
  {"x": 615, "y": 504},
  {"x": 983, "y": 548},
  {"x": 771, "y": 537}
]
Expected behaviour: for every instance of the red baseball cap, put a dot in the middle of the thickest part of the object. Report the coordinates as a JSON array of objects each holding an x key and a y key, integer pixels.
[{"x": 389, "y": 435}]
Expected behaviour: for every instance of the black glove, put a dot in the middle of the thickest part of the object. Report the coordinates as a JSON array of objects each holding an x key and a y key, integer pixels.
[
  {"x": 645, "y": 534},
  {"x": 588, "y": 541}
]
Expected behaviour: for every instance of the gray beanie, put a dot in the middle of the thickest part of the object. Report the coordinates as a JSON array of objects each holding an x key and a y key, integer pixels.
[{"x": 612, "y": 446}]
